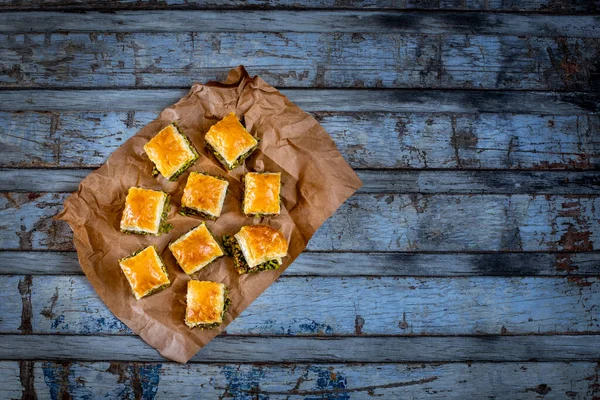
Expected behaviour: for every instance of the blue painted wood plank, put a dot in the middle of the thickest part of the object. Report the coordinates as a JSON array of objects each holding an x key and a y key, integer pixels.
[
  {"x": 323, "y": 100},
  {"x": 541, "y": 6},
  {"x": 11, "y": 304},
  {"x": 374, "y": 181},
  {"x": 347, "y": 306},
  {"x": 377, "y": 222},
  {"x": 362, "y": 264},
  {"x": 282, "y": 349},
  {"x": 403, "y": 140},
  {"x": 10, "y": 382},
  {"x": 323, "y": 21},
  {"x": 529, "y": 380},
  {"x": 300, "y": 60}
]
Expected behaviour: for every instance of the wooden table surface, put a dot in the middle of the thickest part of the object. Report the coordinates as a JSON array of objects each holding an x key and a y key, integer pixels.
[{"x": 467, "y": 266}]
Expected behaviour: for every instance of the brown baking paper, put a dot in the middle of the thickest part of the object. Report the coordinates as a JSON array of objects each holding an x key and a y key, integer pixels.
[{"x": 315, "y": 182}]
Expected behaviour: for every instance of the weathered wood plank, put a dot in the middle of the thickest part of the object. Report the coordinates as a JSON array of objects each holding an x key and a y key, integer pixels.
[
  {"x": 341, "y": 21},
  {"x": 403, "y": 140},
  {"x": 16, "y": 291},
  {"x": 542, "y": 6},
  {"x": 426, "y": 182},
  {"x": 325, "y": 60},
  {"x": 527, "y": 380},
  {"x": 10, "y": 381},
  {"x": 323, "y": 100},
  {"x": 380, "y": 222},
  {"x": 348, "y": 306},
  {"x": 361, "y": 264},
  {"x": 240, "y": 349}
]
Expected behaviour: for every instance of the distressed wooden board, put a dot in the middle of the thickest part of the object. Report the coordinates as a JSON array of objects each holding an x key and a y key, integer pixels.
[
  {"x": 379, "y": 222},
  {"x": 425, "y": 182},
  {"x": 345, "y": 306},
  {"x": 301, "y": 60},
  {"x": 528, "y": 380},
  {"x": 362, "y": 264},
  {"x": 323, "y": 100},
  {"x": 16, "y": 291},
  {"x": 543, "y": 6},
  {"x": 366, "y": 140},
  {"x": 10, "y": 382},
  {"x": 278, "y": 349},
  {"x": 474, "y": 23}
]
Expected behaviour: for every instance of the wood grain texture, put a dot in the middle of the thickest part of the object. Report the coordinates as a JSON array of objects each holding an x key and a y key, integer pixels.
[
  {"x": 245, "y": 349},
  {"x": 327, "y": 60},
  {"x": 377, "y": 222},
  {"x": 346, "y": 306},
  {"x": 401, "y": 22},
  {"x": 540, "y": 6},
  {"x": 10, "y": 382},
  {"x": 424, "y": 182},
  {"x": 527, "y": 380},
  {"x": 366, "y": 140},
  {"x": 323, "y": 100},
  {"x": 362, "y": 264}
]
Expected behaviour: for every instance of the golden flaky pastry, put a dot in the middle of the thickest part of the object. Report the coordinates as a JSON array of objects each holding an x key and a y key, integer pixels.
[
  {"x": 171, "y": 152},
  {"x": 261, "y": 193},
  {"x": 196, "y": 249},
  {"x": 145, "y": 272},
  {"x": 144, "y": 211},
  {"x": 230, "y": 142},
  {"x": 203, "y": 195},
  {"x": 261, "y": 243},
  {"x": 206, "y": 304}
]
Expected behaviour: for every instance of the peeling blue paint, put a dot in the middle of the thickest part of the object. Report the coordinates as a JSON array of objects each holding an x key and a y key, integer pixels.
[
  {"x": 243, "y": 385},
  {"x": 59, "y": 321},
  {"x": 329, "y": 380},
  {"x": 149, "y": 377},
  {"x": 62, "y": 383}
]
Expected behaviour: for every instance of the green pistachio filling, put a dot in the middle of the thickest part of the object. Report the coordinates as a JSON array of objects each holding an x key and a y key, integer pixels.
[{"x": 232, "y": 248}]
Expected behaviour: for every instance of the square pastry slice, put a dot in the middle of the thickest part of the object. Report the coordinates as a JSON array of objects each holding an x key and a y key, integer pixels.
[
  {"x": 145, "y": 272},
  {"x": 145, "y": 212},
  {"x": 256, "y": 248},
  {"x": 196, "y": 249},
  {"x": 171, "y": 152},
  {"x": 207, "y": 304},
  {"x": 230, "y": 142},
  {"x": 261, "y": 193},
  {"x": 203, "y": 195}
]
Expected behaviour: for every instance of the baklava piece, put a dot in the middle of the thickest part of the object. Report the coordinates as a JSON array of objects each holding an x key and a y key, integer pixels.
[
  {"x": 203, "y": 195},
  {"x": 145, "y": 212},
  {"x": 230, "y": 142},
  {"x": 261, "y": 193},
  {"x": 171, "y": 152},
  {"x": 196, "y": 249},
  {"x": 207, "y": 303},
  {"x": 145, "y": 272},
  {"x": 256, "y": 248}
]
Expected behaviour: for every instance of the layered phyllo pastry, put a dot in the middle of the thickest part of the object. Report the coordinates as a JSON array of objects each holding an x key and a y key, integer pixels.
[
  {"x": 203, "y": 195},
  {"x": 207, "y": 303},
  {"x": 230, "y": 142},
  {"x": 145, "y": 272},
  {"x": 256, "y": 248},
  {"x": 145, "y": 212},
  {"x": 196, "y": 249},
  {"x": 261, "y": 193},
  {"x": 171, "y": 152}
]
